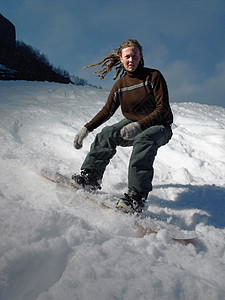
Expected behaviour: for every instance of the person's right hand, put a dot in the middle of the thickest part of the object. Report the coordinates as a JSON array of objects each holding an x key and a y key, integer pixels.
[{"x": 78, "y": 140}]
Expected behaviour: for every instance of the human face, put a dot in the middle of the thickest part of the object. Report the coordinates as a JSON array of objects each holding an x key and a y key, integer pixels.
[{"x": 130, "y": 58}]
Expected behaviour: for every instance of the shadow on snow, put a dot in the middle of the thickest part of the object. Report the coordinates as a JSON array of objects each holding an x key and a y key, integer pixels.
[{"x": 207, "y": 203}]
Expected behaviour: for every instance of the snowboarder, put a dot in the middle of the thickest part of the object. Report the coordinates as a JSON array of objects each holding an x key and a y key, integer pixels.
[{"x": 143, "y": 96}]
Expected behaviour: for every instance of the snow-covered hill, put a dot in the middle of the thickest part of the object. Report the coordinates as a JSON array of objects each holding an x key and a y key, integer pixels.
[{"x": 55, "y": 245}]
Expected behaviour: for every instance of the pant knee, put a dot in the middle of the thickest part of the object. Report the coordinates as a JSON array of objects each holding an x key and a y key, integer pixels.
[
  {"x": 157, "y": 136},
  {"x": 107, "y": 131}
]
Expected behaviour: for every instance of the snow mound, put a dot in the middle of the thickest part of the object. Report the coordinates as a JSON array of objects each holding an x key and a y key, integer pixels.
[{"x": 55, "y": 245}]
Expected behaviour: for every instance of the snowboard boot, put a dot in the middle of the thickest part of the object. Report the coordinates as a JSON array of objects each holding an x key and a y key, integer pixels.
[
  {"x": 132, "y": 202},
  {"x": 87, "y": 180}
]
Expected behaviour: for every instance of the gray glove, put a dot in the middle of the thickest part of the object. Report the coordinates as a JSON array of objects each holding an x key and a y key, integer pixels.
[
  {"x": 129, "y": 131},
  {"x": 78, "y": 140}
]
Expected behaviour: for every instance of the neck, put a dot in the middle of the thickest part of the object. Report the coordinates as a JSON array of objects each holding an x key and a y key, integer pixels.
[{"x": 136, "y": 72}]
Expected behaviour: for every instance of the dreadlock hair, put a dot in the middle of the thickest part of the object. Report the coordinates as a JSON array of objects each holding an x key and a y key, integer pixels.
[{"x": 113, "y": 60}]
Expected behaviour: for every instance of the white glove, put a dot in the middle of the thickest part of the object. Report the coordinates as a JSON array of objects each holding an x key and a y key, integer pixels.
[
  {"x": 78, "y": 140},
  {"x": 129, "y": 131}
]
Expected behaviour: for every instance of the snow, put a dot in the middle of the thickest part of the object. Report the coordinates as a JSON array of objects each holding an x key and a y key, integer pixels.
[{"x": 57, "y": 245}]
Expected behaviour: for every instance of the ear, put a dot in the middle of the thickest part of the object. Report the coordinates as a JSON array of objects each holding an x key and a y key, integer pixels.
[{"x": 121, "y": 61}]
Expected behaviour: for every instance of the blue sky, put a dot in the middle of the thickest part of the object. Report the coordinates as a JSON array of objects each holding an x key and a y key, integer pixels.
[{"x": 184, "y": 39}]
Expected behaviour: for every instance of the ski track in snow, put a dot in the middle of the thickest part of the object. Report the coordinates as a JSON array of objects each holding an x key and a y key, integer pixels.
[{"x": 55, "y": 245}]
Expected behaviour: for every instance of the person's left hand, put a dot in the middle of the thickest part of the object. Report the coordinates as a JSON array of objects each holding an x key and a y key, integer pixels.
[{"x": 129, "y": 131}]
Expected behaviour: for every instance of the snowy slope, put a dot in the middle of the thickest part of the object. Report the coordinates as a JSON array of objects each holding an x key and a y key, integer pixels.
[{"x": 55, "y": 245}]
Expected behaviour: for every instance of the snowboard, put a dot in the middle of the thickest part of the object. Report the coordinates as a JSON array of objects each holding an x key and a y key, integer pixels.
[{"x": 65, "y": 182}]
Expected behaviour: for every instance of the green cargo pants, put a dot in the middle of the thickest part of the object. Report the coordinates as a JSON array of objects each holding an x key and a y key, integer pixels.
[{"x": 145, "y": 146}]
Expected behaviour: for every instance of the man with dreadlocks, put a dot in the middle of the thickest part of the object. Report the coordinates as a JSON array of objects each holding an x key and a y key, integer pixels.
[{"x": 142, "y": 94}]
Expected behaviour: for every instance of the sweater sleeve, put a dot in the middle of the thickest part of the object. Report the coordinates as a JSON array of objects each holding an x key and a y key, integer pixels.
[
  {"x": 162, "y": 114},
  {"x": 106, "y": 112}
]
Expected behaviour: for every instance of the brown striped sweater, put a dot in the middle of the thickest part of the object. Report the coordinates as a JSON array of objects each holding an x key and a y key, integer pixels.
[{"x": 143, "y": 97}]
